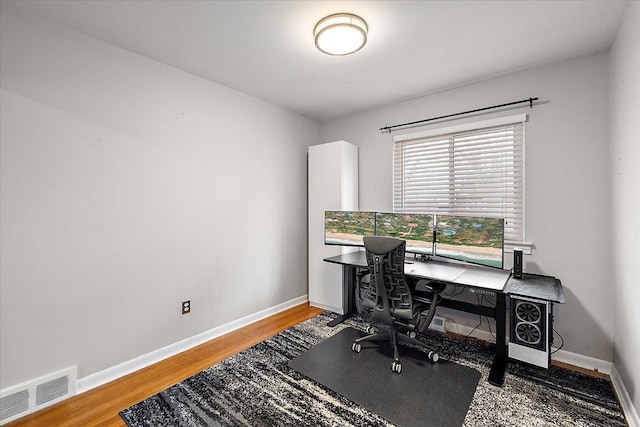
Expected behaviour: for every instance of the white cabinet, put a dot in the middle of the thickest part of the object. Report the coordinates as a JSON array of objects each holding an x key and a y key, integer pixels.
[{"x": 333, "y": 186}]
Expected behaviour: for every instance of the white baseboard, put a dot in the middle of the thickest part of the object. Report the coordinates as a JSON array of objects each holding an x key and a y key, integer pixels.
[
  {"x": 625, "y": 400},
  {"x": 99, "y": 378},
  {"x": 326, "y": 307},
  {"x": 479, "y": 334},
  {"x": 582, "y": 361},
  {"x": 564, "y": 356}
]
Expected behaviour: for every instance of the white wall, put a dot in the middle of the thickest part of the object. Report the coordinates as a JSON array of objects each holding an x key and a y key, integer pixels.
[
  {"x": 625, "y": 198},
  {"x": 567, "y": 180},
  {"x": 128, "y": 186}
]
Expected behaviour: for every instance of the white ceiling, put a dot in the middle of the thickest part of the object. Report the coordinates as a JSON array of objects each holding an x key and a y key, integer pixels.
[{"x": 266, "y": 48}]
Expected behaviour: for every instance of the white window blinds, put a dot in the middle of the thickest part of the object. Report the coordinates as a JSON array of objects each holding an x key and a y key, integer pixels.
[{"x": 475, "y": 170}]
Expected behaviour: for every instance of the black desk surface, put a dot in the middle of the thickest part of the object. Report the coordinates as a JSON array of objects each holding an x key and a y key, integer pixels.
[
  {"x": 357, "y": 259},
  {"x": 546, "y": 288},
  {"x": 537, "y": 286},
  {"x": 457, "y": 274}
]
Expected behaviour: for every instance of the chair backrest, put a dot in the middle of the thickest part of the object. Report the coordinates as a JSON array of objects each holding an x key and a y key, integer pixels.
[{"x": 385, "y": 259}]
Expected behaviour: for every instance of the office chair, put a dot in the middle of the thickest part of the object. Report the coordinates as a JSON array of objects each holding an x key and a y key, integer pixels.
[{"x": 388, "y": 297}]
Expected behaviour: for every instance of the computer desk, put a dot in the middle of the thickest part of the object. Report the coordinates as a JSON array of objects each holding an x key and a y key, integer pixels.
[{"x": 480, "y": 280}]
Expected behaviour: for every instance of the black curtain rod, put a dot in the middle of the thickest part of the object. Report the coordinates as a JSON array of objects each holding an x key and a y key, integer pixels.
[{"x": 390, "y": 128}]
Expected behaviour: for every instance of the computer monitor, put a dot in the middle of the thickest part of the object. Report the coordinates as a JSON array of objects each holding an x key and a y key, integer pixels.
[
  {"x": 347, "y": 228},
  {"x": 477, "y": 240},
  {"x": 416, "y": 229}
]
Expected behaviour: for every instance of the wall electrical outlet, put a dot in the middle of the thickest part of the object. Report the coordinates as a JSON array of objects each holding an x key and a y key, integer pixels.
[{"x": 186, "y": 307}]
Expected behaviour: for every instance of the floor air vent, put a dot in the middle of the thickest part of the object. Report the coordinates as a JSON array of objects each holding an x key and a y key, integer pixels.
[
  {"x": 14, "y": 404},
  {"x": 31, "y": 396}
]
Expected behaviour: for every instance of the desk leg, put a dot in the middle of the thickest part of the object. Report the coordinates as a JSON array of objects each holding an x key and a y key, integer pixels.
[
  {"x": 499, "y": 366},
  {"x": 348, "y": 301}
]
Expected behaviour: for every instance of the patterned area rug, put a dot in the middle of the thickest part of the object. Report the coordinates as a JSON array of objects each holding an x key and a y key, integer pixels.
[{"x": 257, "y": 388}]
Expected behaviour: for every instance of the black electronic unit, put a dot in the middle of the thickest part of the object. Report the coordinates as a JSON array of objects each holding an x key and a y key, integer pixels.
[
  {"x": 517, "y": 264},
  {"x": 531, "y": 331}
]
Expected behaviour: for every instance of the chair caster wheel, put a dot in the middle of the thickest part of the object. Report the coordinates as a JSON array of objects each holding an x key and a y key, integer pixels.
[
  {"x": 433, "y": 356},
  {"x": 396, "y": 367},
  {"x": 412, "y": 334},
  {"x": 356, "y": 347},
  {"x": 371, "y": 330}
]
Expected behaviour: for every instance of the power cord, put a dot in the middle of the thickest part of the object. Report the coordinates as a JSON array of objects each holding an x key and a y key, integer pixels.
[
  {"x": 452, "y": 321},
  {"x": 474, "y": 329},
  {"x": 480, "y": 303},
  {"x": 455, "y": 292},
  {"x": 484, "y": 297},
  {"x": 561, "y": 342}
]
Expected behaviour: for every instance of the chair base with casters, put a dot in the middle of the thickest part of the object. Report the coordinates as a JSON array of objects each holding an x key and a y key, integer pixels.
[
  {"x": 388, "y": 298},
  {"x": 395, "y": 337}
]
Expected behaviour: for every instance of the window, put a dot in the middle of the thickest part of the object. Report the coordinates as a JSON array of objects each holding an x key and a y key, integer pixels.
[{"x": 475, "y": 169}]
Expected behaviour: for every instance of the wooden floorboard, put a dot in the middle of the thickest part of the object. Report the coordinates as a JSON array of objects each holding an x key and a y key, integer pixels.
[{"x": 101, "y": 405}]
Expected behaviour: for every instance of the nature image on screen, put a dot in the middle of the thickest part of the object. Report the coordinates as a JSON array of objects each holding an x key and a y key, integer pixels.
[
  {"x": 471, "y": 239},
  {"x": 416, "y": 229},
  {"x": 348, "y": 227}
]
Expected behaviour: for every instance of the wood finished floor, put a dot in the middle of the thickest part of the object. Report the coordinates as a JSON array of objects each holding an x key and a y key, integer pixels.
[{"x": 101, "y": 405}]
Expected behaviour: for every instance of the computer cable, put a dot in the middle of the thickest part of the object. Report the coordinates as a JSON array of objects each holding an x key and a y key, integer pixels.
[{"x": 561, "y": 342}]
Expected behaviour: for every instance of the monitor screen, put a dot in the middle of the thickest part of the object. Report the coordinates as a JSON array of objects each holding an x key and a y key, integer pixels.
[
  {"x": 416, "y": 229},
  {"x": 476, "y": 240},
  {"x": 347, "y": 228}
]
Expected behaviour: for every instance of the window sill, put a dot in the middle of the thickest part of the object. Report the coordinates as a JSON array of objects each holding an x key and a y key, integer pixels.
[{"x": 525, "y": 247}]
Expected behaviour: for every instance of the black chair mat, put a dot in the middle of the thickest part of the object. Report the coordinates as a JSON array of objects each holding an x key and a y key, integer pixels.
[{"x": 423, "y": 394}]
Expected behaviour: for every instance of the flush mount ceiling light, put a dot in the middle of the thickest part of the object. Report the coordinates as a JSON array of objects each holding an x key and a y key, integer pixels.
[{"x": 340, "y": 34}]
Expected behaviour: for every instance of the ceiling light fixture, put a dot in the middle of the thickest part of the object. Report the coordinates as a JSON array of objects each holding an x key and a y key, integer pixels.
[{"x": 340, "y": 34}]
